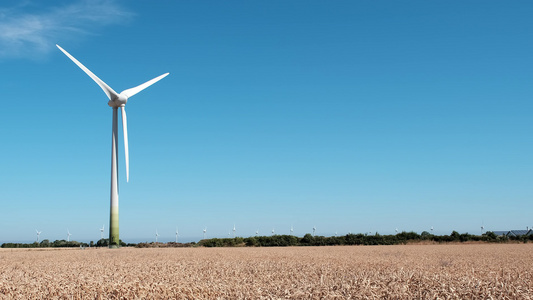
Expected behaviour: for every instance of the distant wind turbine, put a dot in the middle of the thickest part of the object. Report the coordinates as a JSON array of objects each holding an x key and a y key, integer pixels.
[
  {"x": 115, "y": 101},
  {"x": 102, "y": 232},
  {"x": 292, "y": 230},
  {"x": 38, "y": 234},
  {"x": 156, "y": 235},
  {"x": 396, "y": 230},
  {"x": 233, "y": 230},
  {"x": 205, "y": 230},
  {"x": 314, "y": 229},
  {"x": 431, "y": 229},
  {"x": 272, "y": 231},
  {"x": 256, "y": 232},
  {"x": 177, "y": 234},
  {"x": 68, "y": 236}
]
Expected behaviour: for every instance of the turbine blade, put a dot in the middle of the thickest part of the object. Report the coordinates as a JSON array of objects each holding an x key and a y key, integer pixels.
[
  {"x": 125, "y": 129},
  {"x": 111, "y": 94},
  {"x": 135, "y": 90}
]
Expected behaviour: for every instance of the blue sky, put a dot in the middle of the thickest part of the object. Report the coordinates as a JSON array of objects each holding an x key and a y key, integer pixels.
[{"x": 351, "y": 116}]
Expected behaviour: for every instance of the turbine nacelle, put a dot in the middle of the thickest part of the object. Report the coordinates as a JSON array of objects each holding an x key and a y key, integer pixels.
[{"x": 119, "y": 101}]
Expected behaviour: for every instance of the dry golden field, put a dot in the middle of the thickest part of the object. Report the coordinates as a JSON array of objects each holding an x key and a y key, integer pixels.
[{"x": 473, "y": 271}]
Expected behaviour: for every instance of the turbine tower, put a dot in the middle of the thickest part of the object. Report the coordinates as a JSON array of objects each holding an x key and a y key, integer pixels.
[
  {"x": 102, "y": 232},
  {"x": 292, "y": 230},
  {"x": 156, "y": 235},
  {"x": 38, "y": 234},
  {"x": 314, "y": 229},
  {"x": 205, "y": 230},
  {"x": 68, "y": 236},
  {"x": 115, "y": 101},
  {"x": 177, "y": 234},
  {"x": 233, "y": 230}
]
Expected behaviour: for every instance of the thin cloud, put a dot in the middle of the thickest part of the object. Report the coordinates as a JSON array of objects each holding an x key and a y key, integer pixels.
[{"x": 24, "y": 32}]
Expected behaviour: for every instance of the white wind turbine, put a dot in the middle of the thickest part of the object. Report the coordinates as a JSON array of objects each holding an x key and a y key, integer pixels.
[
  {"x": 102, "y": 232},
  {"x": 177, "y": 234},
  {"x": 233, "y": 230},
  {"x": 272, "y": 231},
  {"x": 38, "y": 234},
  {"x": 396, "y": 230},
  {"x": 68, "y": 236},
  {"x": 156, "y": 235},
  {"x": 292, "y": 230},
  {"x": 314, "y": 229},
  {"x": 205, "y": 230},
  {"x": 115, "y": 101},
  {"x": 431, "y": 229},
  {"x": 256, "y": 232}
]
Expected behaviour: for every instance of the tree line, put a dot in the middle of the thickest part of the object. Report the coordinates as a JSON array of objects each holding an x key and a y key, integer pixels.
[
  {"x": 291, "y": 240},
  {"x": 356, "y": 239}
]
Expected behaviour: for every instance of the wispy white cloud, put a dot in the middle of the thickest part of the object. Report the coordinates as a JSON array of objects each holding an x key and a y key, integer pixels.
[{"x": 31, "y": 29}]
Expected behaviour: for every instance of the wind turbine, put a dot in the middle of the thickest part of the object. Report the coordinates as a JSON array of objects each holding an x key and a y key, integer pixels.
[
  {"x": 68, "y": 236},
  {"x": 396, "y": 230},
  {"x": 233, "y": 230},
  {"x": 292, "y": 230},
  {"x": 272, "y": 231},
  {"x": 177, "y": 234},
  {"x": 156, "y": 235},
  {"x": 431, "y": 229},
  {"x": 205, "y": 230},
  {"x": 314, "y": 229},
  {"x": 38, "y": 234},
  {"x": 256, "y": 232},
  {"x": 115, "y": 101},
  {"x": 102, "y": 232}
]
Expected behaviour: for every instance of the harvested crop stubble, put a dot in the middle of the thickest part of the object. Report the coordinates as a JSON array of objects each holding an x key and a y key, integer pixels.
[{"x": 480, "y": 271}]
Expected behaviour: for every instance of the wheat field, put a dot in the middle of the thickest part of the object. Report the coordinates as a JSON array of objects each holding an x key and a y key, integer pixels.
[{"x": 465, "y": 271}]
